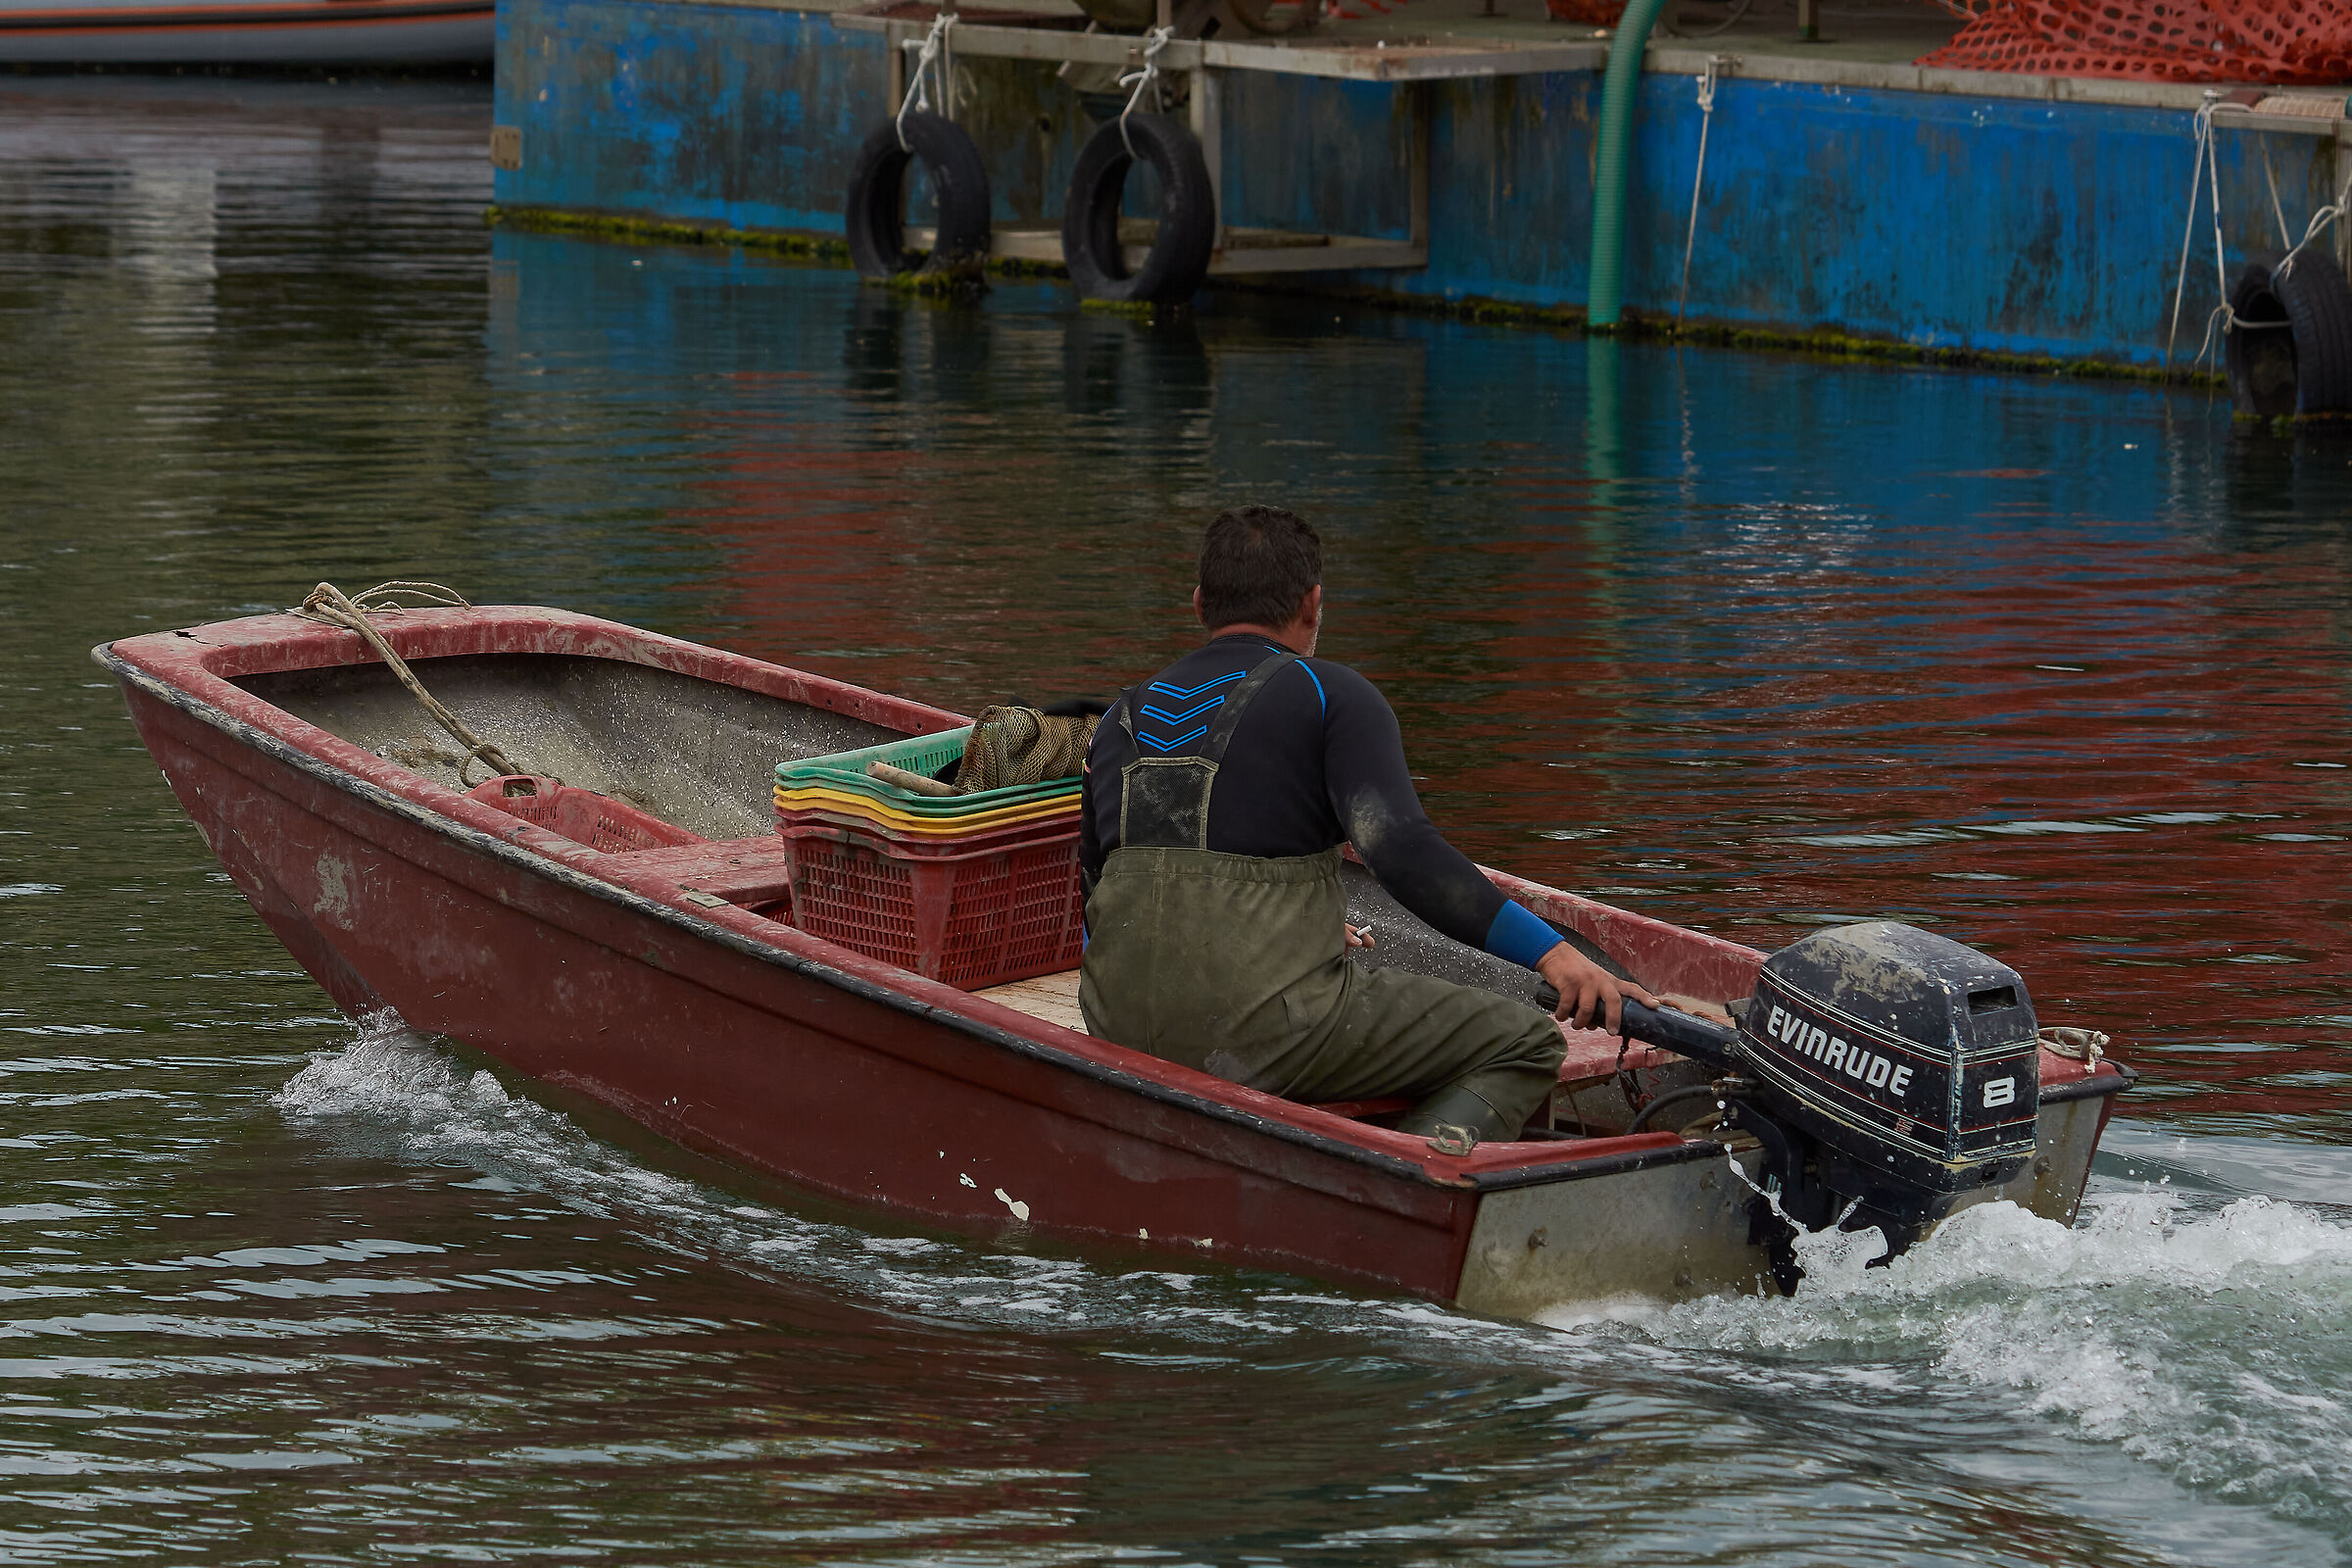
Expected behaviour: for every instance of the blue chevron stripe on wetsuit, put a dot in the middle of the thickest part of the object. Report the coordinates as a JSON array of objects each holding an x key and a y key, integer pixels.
[{"x": 1317, "y": 760}]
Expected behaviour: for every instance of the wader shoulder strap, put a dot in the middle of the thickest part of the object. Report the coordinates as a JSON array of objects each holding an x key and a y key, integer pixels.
[
  {"x": 1229, "y": 715},
  {"x": 1163, "y": 801}
]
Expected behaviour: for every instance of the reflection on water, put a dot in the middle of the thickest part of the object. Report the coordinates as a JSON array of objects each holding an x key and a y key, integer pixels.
[{"x": 1745, "y": 642}]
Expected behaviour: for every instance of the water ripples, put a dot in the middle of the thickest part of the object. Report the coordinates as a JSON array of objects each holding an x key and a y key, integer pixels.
[
  {"x": 1745, "y": 641},
  {"x": 2173, "y": 1327}
]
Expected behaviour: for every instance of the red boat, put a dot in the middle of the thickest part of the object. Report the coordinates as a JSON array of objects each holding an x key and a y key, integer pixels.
[
  {"x": 641, "y": 954},
  {"x": 279, "y": 32}
]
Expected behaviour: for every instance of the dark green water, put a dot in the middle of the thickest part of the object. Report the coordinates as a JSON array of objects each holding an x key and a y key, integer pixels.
[{"x": 1744, "y": 642}]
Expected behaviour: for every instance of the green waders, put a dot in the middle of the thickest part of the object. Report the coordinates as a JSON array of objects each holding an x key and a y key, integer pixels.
[{"x": 1238, "y": 966}]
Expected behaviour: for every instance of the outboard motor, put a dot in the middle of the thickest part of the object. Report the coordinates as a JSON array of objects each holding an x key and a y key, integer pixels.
[{"x": 1887, "y": 1071}]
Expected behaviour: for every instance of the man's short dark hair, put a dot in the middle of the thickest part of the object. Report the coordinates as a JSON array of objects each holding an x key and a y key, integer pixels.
[{"x": 1257, "y": 564}]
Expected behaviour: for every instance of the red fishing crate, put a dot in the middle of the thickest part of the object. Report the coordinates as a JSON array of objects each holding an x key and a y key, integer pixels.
[
  {"x": 973, "y": 920},
  {"x": 603, "y": 823}
]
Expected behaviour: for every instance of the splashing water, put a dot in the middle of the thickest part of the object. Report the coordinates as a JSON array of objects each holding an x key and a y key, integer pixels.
[
  {"x": 2212, "y": 1343},
  {"x": 2205, "y": 1337},
  {"x": 391, "y": 1081}
]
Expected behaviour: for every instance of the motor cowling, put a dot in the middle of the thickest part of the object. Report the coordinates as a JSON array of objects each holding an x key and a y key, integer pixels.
[
  {"x": 1887, "y": 1072},
  {"x": 1907, "y": 1058}
]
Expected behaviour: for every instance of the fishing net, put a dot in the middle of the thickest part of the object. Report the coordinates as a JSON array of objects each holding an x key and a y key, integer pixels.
[
  {"x": 2280, "y": 42},
  {"x": 1012, "y": 745},
  {"x": 2303, "y": 42}
]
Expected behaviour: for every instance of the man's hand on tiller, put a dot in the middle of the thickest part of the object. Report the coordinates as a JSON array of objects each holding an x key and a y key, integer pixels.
[{"x": 1591, "y": 997}]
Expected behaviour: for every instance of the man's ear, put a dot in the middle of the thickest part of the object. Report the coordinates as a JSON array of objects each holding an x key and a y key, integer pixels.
[{"x": 1196, "y": 614}]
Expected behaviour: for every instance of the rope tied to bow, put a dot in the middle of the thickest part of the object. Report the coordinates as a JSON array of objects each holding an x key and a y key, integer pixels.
[
  {"x": 2085, "y": 1046},
  {"x": 331, "y": 604}
]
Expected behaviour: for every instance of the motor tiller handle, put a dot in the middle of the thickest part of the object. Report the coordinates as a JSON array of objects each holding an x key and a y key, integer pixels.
[{"x": 1686, "y": 1033}]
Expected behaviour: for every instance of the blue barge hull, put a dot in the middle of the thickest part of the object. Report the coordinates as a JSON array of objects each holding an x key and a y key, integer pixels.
[{"x": 1946, "y": 212}]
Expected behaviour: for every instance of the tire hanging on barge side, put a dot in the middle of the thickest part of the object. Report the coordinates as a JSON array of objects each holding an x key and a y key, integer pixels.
[
  {"x": 875, "y": 224},
  {"x": 1178, "y": 263},
  {"x": 2291, "y": 351}
]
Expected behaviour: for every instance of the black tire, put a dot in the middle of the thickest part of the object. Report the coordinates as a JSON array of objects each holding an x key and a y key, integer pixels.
[
  {"x": 2259, "y": 352},
  {"x": 876, "y": 226},
  {"x": 1187, "y": 214},
  {"x": 2318, "y": 302}
]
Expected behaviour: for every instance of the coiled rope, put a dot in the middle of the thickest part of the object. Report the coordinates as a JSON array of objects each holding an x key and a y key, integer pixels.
[
  {"x": 331, "y": 604},
  {"x": 2085, "y": 1046}
]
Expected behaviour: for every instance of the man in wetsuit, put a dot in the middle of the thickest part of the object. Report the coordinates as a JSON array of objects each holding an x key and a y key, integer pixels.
[{"x": 1217, "y": 796}]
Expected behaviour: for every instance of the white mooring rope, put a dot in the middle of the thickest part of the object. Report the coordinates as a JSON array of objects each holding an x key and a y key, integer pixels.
[
  {"x": 933, "y": 58},
  {"x": 2270, "y": 177},
  {"x": 2196, "y": 181},
  {"x": 2205, "y": 175},
  {"x": 1144, "y": 80},
  {"x": 1706, "y": 118},
  {"x": 2318, "y": 225}
]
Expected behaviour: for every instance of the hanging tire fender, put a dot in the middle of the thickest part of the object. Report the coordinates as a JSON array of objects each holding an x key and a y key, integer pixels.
[
  {"x": 875, "y": 217},
  {"x": 2318, "y": 301},
  {"x": 2258, "y": 350},
  {"x": 1178, "y": 263}
]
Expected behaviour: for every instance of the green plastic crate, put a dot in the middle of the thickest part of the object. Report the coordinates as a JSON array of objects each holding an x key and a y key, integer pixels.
[
  {"x": 917, "y": 754},
  {"x": 920, "y": 754}
]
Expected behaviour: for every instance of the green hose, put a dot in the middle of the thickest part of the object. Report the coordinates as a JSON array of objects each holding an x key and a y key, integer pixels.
[{"x": 1626, "y": 50}]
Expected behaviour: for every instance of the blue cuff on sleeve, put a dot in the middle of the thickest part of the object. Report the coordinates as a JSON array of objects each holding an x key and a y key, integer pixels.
[{"x": 1519, "y": 936}]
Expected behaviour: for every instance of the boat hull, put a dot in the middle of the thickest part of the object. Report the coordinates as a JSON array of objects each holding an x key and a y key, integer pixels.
[
  {"x": 283, "y": 33},
  {"x": 637, "y": 981}
]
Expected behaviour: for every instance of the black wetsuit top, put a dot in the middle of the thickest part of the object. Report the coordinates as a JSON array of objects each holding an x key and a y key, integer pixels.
[{"x": 1316, "y": 760}]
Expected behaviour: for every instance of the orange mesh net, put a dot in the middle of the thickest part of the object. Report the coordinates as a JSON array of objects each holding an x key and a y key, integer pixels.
[
  {"x": 2282, "y": 42},
  {"x": 2277, "y": 42}
]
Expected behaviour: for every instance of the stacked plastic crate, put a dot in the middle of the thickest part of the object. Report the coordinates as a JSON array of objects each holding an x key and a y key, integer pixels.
[{"x": 969, "y": 890}]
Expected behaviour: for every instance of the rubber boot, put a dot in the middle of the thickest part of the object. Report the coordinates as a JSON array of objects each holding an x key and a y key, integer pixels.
[{"x": 1455, "y": 1109}]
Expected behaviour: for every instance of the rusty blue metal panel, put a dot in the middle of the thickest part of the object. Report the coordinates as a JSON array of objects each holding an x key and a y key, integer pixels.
[
  {"x": 1511, "y": 212},
  {"x": 1308, "y": 153},
  {"x": 1942, "y": 221},
  {"x": 1995, "y": 225},
  {"x": 741, "y": 116},
  {"x": 695, "y": 113}
]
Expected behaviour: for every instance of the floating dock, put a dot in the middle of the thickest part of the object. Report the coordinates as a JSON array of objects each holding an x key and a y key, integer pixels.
[{"x": 1440, "y": 155}]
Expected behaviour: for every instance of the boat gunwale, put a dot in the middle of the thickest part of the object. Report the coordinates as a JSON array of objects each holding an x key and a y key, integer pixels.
[
  {"x": 412, "y": 798},
  {"x": 2095, "y": 1082},
  {"x": 253, "y": 13}
]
